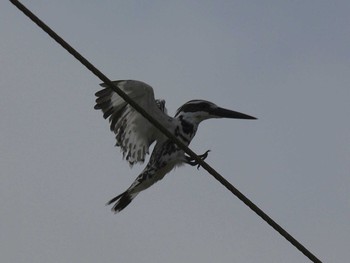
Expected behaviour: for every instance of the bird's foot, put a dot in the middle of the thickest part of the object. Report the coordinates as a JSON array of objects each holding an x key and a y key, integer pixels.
[{"x": 193, "y": 162}]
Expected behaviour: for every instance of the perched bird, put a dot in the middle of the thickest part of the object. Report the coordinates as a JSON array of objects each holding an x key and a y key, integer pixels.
[{"x": 135, "y": 134}]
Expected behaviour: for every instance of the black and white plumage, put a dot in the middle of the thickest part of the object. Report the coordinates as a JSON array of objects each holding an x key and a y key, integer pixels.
[{"x": 135, "y": 134}]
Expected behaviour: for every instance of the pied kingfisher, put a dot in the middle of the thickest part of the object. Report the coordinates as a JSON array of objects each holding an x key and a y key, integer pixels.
[{"x": 135, "y": 134}]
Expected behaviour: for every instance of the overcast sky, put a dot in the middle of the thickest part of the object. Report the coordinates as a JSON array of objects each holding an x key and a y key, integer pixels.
[{"x": 285, "y": 62}]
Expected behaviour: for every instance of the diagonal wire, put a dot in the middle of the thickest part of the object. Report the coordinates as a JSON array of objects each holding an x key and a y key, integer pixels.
[{"x": 159, "y": 126}]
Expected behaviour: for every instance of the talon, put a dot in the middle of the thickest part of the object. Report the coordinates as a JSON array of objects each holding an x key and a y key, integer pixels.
[
  {"x": 193, "y": 162},
  {"x": 204, "y": 155}
]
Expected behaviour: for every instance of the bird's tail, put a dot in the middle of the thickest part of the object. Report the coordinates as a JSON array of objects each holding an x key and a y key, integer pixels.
[{"x": 122, "y": 201}]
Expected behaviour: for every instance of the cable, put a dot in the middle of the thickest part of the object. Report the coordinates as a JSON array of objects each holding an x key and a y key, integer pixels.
[{"x": 159, "y": 126}]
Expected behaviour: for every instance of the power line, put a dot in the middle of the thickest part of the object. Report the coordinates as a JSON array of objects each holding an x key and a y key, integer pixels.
[{"x": 159, "y": 126}]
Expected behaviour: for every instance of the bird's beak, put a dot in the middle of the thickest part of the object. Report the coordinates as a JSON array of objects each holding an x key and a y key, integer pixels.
[{"x": 224, "y": 113}]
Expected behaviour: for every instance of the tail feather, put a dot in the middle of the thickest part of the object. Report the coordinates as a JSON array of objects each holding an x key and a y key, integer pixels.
[{"x": 122, "y": 201}]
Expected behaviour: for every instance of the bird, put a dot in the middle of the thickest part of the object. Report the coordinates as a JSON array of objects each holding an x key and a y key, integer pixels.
[{"x": 134, "y": 134}]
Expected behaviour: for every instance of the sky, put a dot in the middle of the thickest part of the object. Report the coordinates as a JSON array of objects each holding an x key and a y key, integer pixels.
[{"x": 285, "y": 62}]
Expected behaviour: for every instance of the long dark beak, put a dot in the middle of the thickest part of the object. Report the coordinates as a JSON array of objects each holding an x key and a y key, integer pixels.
[{"x": 224, "y": 113}]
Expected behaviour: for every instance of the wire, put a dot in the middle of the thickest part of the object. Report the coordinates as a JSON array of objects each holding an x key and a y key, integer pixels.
[{"x": 159, "y": 126}]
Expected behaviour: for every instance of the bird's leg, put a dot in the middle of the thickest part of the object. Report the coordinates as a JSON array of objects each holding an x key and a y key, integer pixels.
[{"x": 193, "y": 162}]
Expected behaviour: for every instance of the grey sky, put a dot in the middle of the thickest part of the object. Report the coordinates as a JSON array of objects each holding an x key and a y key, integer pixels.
[{"x": 285, "y": 62}]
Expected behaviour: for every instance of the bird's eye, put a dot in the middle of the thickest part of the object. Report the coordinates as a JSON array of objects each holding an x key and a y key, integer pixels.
[{"x": 204, "y": 106}]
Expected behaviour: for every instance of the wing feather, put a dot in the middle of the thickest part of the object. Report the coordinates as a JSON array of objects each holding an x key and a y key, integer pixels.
[{"x": 134, "y": 134}]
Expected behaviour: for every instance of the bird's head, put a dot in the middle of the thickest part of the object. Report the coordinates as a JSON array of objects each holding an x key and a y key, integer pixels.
[{"x": 200, "y": 110}]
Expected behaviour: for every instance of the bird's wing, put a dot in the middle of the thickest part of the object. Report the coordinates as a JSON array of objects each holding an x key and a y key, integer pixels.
[{"x": 134, "y": 133}]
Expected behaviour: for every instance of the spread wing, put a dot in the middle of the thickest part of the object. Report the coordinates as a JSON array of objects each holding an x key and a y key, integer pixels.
[{"x": 134, "y": 133}]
